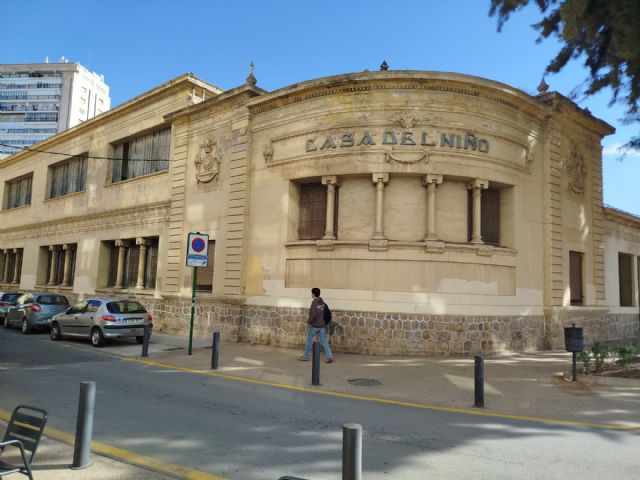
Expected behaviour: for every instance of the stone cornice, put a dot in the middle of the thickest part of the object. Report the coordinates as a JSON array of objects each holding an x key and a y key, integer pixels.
[
  {"x": 621, "y": 217},
  {"x": 405, "y": 79},
  {"x": 227, "y": 100},
  {"x": 561, "y": 104},
  {"x": 111, "y": 219}
]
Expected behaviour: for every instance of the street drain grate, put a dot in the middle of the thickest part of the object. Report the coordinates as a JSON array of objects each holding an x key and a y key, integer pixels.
[{"x": 364, "y": 382}]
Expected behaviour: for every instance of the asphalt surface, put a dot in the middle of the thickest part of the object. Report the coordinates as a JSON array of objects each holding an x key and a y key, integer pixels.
[{"x": 246, "y": 431}]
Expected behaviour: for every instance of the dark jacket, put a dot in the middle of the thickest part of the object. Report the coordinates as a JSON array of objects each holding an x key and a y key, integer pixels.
[{"x": 316, "y": 313}]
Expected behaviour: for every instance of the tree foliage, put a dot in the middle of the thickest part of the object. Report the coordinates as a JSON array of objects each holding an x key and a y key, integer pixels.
[{"x": 605, "y": 32}]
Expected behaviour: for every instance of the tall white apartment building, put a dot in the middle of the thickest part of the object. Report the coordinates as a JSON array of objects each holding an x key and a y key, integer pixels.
[{"x": 42, "y": 99}]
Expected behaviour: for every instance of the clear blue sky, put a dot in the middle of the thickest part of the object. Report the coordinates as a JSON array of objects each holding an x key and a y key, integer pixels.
[{"x": 138, "y": 44}]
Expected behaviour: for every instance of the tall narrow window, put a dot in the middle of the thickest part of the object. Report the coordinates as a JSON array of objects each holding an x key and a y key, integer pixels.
[
  {"x": 489, "y": 216},
  {"x": 68, "y": 176},
  {"x": 151, "y": 264},
  {"x": 113, "y": 264},
  {"x": 141, "y": 156},
  {"x": 313, "y": 211},
  {"x": 18, "y": 192},
  {"x": 575, "y": 278},
  {"x": 205, "y": 275},
  {"x": 131, "y": 266},
  {"x": 625, "y": 279}
]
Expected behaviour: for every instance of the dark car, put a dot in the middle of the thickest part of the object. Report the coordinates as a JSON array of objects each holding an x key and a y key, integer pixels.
[
  {"x": 33, "y": 311},
  {"x": 7, "y": 299}
]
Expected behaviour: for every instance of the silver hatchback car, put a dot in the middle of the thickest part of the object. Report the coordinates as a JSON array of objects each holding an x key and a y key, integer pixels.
[{"x": 99, "y": 319}]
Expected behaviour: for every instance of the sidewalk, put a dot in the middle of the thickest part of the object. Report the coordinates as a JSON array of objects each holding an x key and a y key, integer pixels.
[
  {"x": 522, "y": 384},
  {"x": 516, "y": 384},
  {"x": 53, "y": 459}
]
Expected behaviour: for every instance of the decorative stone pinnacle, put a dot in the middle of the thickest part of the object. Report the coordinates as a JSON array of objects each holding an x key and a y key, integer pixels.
[
  {"x": 542, "y": 86},
  {"x": 251, "y": 79},
  {"x": 384, "y": 66}
]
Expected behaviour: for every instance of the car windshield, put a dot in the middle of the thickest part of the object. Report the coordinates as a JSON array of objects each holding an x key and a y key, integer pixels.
[
  {"x": 52, "y": 300},
  {"x": 125, "y": 307},
  {"x": 9, "y": 297}
]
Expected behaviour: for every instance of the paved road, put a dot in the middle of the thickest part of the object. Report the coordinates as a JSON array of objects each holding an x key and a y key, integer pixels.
[{"x": 249, "y": 432}]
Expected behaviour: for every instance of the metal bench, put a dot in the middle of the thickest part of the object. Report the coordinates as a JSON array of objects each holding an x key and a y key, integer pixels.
[{"x": 24, "y": 432}]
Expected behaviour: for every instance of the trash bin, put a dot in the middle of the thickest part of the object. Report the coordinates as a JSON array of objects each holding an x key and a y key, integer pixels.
[{"x": 573, "y": 339}]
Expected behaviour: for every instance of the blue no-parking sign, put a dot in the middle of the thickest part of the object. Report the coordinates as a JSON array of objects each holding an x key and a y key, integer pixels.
[{"x": 197, "y": 248}]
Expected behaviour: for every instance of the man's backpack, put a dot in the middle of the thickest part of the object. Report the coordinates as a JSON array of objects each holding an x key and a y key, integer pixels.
[{"x": 327, "y": 315}]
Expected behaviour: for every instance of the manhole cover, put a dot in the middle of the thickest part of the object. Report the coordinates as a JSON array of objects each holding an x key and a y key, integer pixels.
[{"x": 364, "y": 382}]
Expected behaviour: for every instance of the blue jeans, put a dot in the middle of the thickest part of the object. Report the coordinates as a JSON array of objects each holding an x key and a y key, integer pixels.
[{"x": 311, "y": 331}]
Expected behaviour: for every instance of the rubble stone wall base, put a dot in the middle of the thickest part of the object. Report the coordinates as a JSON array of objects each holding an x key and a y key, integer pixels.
[{"x": 378, "y": 333}]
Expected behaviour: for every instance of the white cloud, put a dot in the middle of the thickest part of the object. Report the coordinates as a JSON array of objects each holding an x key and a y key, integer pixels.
[{"x": 616, "y": 151}]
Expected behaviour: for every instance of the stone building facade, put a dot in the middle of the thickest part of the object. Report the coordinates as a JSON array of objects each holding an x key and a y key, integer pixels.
[{"x": 438, "y": 213}]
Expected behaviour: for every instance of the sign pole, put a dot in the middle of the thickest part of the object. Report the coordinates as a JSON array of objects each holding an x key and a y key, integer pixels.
[
  {"x": 197, "y": 253},
  {"x": 193, "y": 306}
]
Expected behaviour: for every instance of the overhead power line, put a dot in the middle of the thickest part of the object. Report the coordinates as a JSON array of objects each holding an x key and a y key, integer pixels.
[{"x": 85, "y": 156}]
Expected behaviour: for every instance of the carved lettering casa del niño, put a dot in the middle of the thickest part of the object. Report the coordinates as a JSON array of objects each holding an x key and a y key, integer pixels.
[{"x": 467, "y": 141}]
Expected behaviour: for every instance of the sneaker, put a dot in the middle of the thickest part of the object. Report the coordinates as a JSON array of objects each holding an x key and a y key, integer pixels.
[
  {"x": 329, "y": 360},
  {"x": 302, "y": 358}
]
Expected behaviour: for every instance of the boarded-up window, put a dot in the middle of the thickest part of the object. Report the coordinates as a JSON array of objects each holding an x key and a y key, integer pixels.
[
  {"x": 313, "y": 211},
  {"x": 489, "y": 216},
  {"x": 575, "y": 278},
  {"x": 625, "y": 279},
  {"x": 204, "y": 282}
]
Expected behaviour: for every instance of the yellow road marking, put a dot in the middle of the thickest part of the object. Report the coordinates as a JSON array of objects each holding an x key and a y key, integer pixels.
[
  {"x": 401, "y": 403},
  {"x": 178, "y": 471}
]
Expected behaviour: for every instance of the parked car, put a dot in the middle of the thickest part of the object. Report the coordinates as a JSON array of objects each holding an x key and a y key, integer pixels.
[
  {"x": 32, "y": 311},
  {"x": 7, "y": 299},
  {"x": 99, "y": 319}
]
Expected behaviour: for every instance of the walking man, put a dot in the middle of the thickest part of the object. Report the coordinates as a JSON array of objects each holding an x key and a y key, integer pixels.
[{"x": 316, "y": 326}]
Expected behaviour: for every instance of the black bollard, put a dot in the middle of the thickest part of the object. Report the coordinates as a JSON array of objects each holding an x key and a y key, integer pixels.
[
  {"x": 351, "y": 451},
  {"x": 84, "y": 426},
  {"x": 215, "y": 350},
  {"x": 479, "y": 382},
  {"x": 145, "y": 340},
  {"x": 315, "y": 367}
]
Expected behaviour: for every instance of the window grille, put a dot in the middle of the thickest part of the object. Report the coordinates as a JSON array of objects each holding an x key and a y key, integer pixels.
[{"x": 313, "y": 211}]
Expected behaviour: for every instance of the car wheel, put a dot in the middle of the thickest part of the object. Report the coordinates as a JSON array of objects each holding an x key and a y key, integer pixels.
[
  {"x": 56, "y": 333},
  {"x": 97, "y": 338},
  {"x": 25, "y": 327}
]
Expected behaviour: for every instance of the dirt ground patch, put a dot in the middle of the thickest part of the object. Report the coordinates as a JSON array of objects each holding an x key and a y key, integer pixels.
[{"x": 613, "y": 369}]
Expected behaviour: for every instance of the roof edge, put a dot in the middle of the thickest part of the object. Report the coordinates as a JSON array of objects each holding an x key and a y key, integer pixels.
[{"x": 145, "y": 96}]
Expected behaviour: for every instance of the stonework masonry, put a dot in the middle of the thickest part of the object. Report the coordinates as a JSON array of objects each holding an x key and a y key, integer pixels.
[{"x": 380, "y": 333}]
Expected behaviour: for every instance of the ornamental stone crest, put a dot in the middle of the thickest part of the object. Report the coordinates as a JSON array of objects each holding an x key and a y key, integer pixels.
[
  {"x": 406, "y": 119},
  {"x": 267, "y": 153},
  {"x": 576, "y": 171},
  {"x": 208, "y": 162}
]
